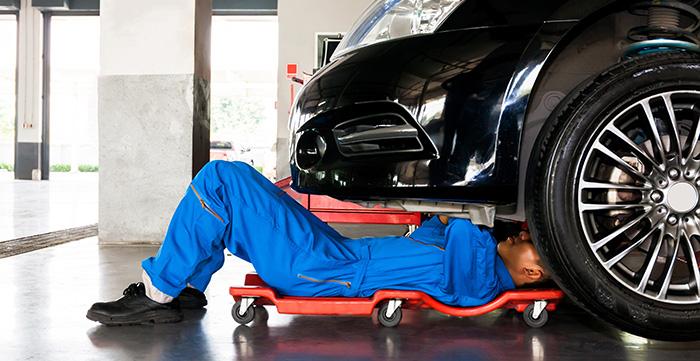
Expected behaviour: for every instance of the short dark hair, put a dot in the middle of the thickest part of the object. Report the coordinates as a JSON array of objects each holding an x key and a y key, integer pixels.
[{"x": 505, "y": 229}]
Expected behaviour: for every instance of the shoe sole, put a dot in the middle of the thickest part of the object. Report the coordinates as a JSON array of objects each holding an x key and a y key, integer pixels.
[
  {"x": 151, "y": 317},
  {"x": 192, "y": 305}
]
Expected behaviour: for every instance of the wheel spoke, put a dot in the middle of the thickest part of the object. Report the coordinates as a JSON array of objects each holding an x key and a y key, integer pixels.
[
  {"x": 693, "y": 142},
  {"x": 587, "y": 207},
  {"x": 613, "y": 261},
  {"x": 650, "y": 263},
  {"x": 605, "y": 240},
  {"x": 635, "y": 148},
  {"x": 654, "y": 130},
  {"x": 620, "y": 162},
  {"x": 693, "y": 266},
  {"x": 669, "y": 268},
  {"x": 614, "y": 186},
  {"x": 674, "y": 124}
]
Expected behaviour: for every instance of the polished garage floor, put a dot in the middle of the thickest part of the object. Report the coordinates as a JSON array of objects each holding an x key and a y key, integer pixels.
[
  {"x": 45, "y": 295},
  {"x": 29, "y": 208}
]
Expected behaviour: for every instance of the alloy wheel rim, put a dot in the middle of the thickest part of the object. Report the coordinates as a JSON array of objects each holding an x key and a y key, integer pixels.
[{"x": 638, "y": 196}]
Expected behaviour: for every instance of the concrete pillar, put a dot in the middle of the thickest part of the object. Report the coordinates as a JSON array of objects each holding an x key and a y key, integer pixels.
[
  {"x": 299, "y": 22},
  {"x": 153, "y": 112},
  {"x": 29, "y": 91}
]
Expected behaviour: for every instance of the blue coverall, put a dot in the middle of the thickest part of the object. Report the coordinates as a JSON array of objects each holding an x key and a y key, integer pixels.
[{"x": 231, "y": 205}]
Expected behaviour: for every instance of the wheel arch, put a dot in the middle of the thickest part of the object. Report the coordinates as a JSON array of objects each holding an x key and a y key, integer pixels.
[{"x": 584, "y": 50}]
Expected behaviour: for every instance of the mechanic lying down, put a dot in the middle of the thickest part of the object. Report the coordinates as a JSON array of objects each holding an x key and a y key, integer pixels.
[{"x": 230, "y": 205}]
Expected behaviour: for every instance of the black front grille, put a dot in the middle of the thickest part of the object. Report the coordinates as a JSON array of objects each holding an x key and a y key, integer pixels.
[{"x": 377, "y": 134}]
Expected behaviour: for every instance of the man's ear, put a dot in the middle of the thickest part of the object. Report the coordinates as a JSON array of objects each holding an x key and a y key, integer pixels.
[
  {"x": 534, "y": 274},
  {"x": 524, "y": 235}
]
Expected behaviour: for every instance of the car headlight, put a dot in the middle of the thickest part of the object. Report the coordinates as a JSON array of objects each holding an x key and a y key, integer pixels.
[{"x": 392, "y": 19}]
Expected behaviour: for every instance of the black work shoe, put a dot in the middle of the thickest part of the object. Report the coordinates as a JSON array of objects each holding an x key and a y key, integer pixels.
[
  {"x": 133, "y": 309},
  {"x": 191, "y": 298}
]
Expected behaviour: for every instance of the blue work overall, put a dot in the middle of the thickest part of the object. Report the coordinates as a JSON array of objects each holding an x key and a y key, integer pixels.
[{"x": 231, "y": 205}]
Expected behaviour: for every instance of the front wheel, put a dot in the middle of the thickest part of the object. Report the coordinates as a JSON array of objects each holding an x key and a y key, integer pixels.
[
  {"x": 530, "y": 320},
  {"x": 615, "y": 209},
  {"x": 246, "y": 318},
  {"x": 389, "y": 321}
]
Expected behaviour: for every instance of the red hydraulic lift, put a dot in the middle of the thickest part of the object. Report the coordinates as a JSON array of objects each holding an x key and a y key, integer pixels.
[{"x": 331, "y": 210}]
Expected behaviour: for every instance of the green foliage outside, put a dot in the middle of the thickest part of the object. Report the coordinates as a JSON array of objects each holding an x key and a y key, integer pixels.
[
  {"x": 7, "y": 132},
  {"x": 81, "y": 168},
  {"x": 6, "y": 127},
  {"x": 259, "y": 168},
  {"x": 235, "y": 119},
  {"x": 88, "y": 168},
  {"x": 60, "y": 168}
]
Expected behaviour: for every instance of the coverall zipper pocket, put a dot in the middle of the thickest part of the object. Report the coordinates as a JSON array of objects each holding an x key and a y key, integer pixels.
[
  {"x": 205, "y": 206},
  {"x": 344, "y": 283},
  {"x": 425, "y": 244}
]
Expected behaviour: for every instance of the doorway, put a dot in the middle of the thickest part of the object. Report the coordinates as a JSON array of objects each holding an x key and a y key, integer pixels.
[
  {"x": 244, "y": 90},
  {"x": 74, "y": 67},
  {"x": 8, "y": 93}
]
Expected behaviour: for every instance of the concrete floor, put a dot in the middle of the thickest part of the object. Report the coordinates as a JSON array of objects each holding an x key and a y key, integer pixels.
[
  {"x": 28, "y": 208},
  {"x": 46, "y": 294}
]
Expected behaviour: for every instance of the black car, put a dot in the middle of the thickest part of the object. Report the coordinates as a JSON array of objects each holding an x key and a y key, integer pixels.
[{"x": 581, "y": 117}]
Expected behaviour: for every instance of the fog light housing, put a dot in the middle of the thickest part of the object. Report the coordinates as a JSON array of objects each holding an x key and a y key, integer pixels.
[{"x": 310, "y": 149}]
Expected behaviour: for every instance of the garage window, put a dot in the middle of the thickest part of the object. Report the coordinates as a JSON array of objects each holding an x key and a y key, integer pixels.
[
  {"x": 244, "y": 90},
  {"x": 75, "y": 51},
  {"x": 8, "y": 61}
]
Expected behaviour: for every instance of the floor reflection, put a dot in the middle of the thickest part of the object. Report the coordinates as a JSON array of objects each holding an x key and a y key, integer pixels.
[
  {"x": 186, "y": 341},
  {"x": 426, "y": 336},
  {"x": 423, "y": 337},
  {"x": 429, "y": 336},
  {"x": 47, "y": 292},
  {"x": 29, "y": 208}
]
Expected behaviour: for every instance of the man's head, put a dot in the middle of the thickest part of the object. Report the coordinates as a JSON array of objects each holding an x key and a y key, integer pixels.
[{"x": 522, "y": 260}]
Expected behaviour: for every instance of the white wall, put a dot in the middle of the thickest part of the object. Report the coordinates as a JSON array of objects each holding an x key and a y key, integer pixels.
[
  {"x": 299, "y": 21},
  {"x": 163, "y": 48}
]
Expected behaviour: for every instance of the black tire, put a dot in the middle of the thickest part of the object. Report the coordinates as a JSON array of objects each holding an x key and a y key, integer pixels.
[
  {"x": 261, "y": 314},
  {"x": 552, "y": 204},
  {"x": 392, "y": 321},
  {"x": 247, "y": 317},
  {"x": 532, "y": 321}
]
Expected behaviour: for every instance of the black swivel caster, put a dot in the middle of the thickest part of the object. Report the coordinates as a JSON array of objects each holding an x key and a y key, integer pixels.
[
  {"x": 530, "y": 320},
  {"x": 261, "y": 314},
  {"x": 244, "y": 319},
  {"x": 395, "y": 318}
]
